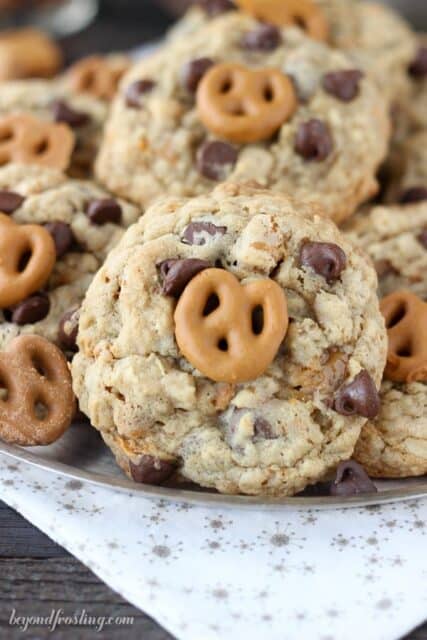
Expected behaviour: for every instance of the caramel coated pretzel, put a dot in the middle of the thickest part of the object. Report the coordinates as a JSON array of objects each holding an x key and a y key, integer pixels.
[
  {"x": 37, "y": 402},
  {"x": 406, "y": 321},
  {"x": 27, "y": 257},
  {"x": 302, "y": 13},
  {"x": 216, "y": 322},
  {"x": 29, "y": 140},
  {"x": 242, "y": 105},
  {"x": 96, "y": 76}
]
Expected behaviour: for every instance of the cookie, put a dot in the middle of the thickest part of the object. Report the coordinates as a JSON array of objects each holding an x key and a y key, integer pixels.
[
  {"x": 378, "y": 40},
  {"x": 51, "y": 102},
  {"x": 97, "y": 76},
  {"x": 69, "y": 226},
  {"x": 295, "y": 117},
  {"x": 284, "y": 344},
  {"x": 406, "y": 176},
  {"x": 414, "y": 104},
  {"x": 28, "y": 53}
]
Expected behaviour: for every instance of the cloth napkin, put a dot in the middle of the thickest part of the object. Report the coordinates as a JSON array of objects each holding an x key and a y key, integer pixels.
[{"x": 227, "y": 574}]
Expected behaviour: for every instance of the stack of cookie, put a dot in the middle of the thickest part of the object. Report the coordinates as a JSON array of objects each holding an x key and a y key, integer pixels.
[{"x": 234, "y": 336}]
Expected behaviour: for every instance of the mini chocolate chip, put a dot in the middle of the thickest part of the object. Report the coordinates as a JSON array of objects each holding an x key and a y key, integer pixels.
[
  {"x": 194, "y": 71},
  {"x": 384, "y": 268},
  {"x": 360, "y": 397},
  {"x": 68, "y": 329},
  {"x": 263, "y": 430},
  {"x": 151, "y": 470},
  {"x": 135, "y": 90},
  {"x": 413, "y": 195},
  {"x": 10, "y": 201},
  {"x": 215, "y": 159},
  {"x": 418, "y": 67},
  {"x": 196, "y": 232},
  {"x": 266, "y": 37},
  {"x": 103, "y": 211},
  {"x": 62, "y": 236},
  {"x": 62, "y": 112},
  {"x": 326, "y": 259},
  {"x": 176, "y": 274},
  {"x": 344, "y": 85},
  {"x": 31, "y": 310},
  {"x": 313, "y": 140},
  {"x": 351, "y": 480},
  {"x": 215, "y": 7},
  {"x": 422, "y": 238}
]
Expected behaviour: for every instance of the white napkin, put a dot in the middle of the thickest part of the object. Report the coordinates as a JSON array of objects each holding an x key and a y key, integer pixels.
[{"x": 226, "y": 574}]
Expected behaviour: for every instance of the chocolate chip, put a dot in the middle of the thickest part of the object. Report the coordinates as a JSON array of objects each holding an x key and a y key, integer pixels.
[
  {"x": 266, "y": 37},
  {"x": 313, "y": 140},
  {"x": 215, "y": 7},
  {"x": 62, "y": 112},
  {"x": 351, "y": 480},
  {"x": 62, "y": 236},
  {"x": 413, "y": 195},
  {"x": 360, "y": 397},
  {"x": 344, "y": 85},
  {"x": 422, "y": 238},
  {"x": 215, "y": 159},
  {"x": 326, "y": 259},
  {"x": 10, "y": 201},
  {"x": 137, "y": 89},
  {"x": 68, "y": 329},
  {"x": 29, "y": 311},
  {"x": 151, "y": 470},
  {"x": 193, "y": 72},
  {"x": 196, "y": 232},
  {"x": 418, "y": 67},
  {"x": 176, "y": 274},
  {"x": 384, "y": 268},
  {"x": 103, "y": 211},
  {"x": 263, "y": 430}
]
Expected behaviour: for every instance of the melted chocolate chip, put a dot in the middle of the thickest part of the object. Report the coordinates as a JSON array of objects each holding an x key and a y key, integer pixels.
[
  {"x": 413, "y": 195},
  {"x": 62, "y": 112},
  {"x": 62, "y": 236},
  {"x": 104, "y": 210},
  {"x": 194, "y": 71},
  {"x": 263, "y": 430},
  {"x": 137, "y": 89},
  {"x": 29, "y": 311},
  {"x": 10, "y": 201},
  {"x": 313, "y": 140},
  {"x": 326, "y": 259},
  {"x": 151, "y": 470},
  {"x": 351, "y": 480},
  {"x": 215, "y": 159},
  {"x": 418, "y": 67},
  {"x": 176, "y": 274},
  {"x": 68, "y": 329},
  {"x": 344, "y": 85},
  {"x": 422, "y": 238},
  {"x": 215, "y": 7},
  {"x": 360, "y": 397},
  {"x": 266, "y": 37},
  {"x": 196, "y": 232}
]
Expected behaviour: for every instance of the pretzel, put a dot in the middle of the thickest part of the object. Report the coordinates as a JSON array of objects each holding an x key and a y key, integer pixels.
[
  {"x": 406, "y": 321},
  {"x": 29, "y": 140},
  {"x": 241, "y": 105},
  {"x": 302, "y": 13},
  {"x": 27, "y": 257},
  {"x": 97, "y": 76},
  {"x": 37, "y": 402},
  {"x": 216, "y": 322}
]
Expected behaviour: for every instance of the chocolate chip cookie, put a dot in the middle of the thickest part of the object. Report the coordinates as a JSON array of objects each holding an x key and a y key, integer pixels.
[
  {"x": 407, "y": 170},
  {"x": 55, "y": 233},
  {"x": 233, "y": 339}
]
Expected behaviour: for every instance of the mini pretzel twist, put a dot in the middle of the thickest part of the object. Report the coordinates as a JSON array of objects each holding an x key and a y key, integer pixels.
[
  {"x": 29, "y": 140},
  {"x": 37, "y": 402},
  {"x": 229, "y": 332},
  {"x": 27, "y": 257},
  {"x": 406, "y": 320},
  {"x": 96, "y": 76},
  {"x": 242, "y": 105},
  {"x": 302, "y": 13}
]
